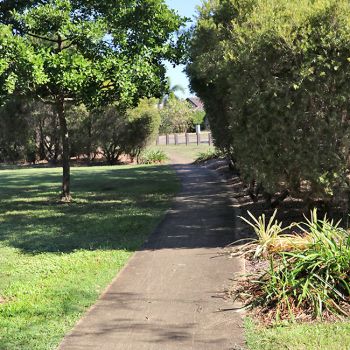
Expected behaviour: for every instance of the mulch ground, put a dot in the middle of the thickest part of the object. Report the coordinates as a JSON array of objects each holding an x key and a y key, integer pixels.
[{"x": 289, "y": 211}]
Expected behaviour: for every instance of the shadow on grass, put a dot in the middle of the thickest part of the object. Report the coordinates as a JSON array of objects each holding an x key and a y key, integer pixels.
[
  {"x": 113, "y": 208},
  {"x": 116, "y": 208}
]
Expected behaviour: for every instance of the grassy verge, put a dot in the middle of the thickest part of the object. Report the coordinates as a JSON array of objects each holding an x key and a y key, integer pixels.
[
  {"x": 189, "y": 152},
  {"x": 55, "y": 259},
  {"x": 321, "y": 336}
]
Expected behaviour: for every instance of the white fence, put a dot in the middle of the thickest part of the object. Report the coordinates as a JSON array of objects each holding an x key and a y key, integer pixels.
[{"x": 185, "y": 139}]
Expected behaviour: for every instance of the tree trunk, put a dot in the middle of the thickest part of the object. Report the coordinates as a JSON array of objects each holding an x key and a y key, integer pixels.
[
  {"x": 89, "y": 144},
  {"x": 56, "y": 138},
  {"x": 42, "y": 153},
  {"x": 65, "y": 196}
]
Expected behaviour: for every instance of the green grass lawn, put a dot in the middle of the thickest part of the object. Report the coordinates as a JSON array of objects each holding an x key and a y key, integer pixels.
[
  {"x": 55, "y": 259},
  {"x": 189, "y": 152},
  {"x": 321, "y": 336}
]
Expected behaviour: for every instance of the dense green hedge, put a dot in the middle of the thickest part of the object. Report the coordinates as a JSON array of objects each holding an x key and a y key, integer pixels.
[{"x": 275, "y": 80}]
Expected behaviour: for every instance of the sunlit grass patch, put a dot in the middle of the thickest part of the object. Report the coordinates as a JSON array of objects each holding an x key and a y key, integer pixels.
[
  {"x": 55, "y": 259},
  {"x": 318, "y": 336}
]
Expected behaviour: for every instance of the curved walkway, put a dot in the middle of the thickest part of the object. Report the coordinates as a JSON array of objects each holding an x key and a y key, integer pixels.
[{"x": 170, "y": 295}]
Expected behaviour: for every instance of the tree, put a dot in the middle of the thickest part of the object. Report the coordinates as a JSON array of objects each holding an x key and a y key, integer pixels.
[
  {"x": 176, "y": 116},
  {"x": 19, "y": 66},
  {"x": 275, "y": 80},
  {"x": 92, "y": 52},
  {"x": 198, "y": 117},
  {"x": 171, "y": 93},
  {"x": 126, "y": 131},
  {"x": 28, "y": 131}
]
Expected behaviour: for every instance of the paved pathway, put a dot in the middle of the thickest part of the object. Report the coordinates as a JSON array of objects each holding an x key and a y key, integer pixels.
[{"x": 169, "y": 296}]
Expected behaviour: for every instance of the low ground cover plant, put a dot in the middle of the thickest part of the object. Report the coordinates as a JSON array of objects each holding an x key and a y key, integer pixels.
[
  {"x": 306, "y": 279},
  {"x": 155, "y": 156},
  {"x": 209, "y": 154}
]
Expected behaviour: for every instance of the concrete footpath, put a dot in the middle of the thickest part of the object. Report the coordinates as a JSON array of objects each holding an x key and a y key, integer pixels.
[{"x": 170, "y": 295}]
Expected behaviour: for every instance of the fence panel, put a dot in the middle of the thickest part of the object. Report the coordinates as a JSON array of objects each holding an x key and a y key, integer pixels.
[{"x": 184, "y": 139}]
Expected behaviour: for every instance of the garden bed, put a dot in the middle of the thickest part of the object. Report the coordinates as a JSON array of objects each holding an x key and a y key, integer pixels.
[
  {"x": 289, "y": 210},
  {"x": 276, "y": 323}
]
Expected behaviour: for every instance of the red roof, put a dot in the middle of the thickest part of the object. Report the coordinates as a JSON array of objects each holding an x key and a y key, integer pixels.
[{"x": 196, "y": 102}]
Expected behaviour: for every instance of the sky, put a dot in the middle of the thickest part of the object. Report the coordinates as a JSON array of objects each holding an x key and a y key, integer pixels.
[{"x": 177, "y": 77}]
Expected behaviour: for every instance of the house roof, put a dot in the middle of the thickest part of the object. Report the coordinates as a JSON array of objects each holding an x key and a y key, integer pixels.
[{"x": 196, "y": 102}]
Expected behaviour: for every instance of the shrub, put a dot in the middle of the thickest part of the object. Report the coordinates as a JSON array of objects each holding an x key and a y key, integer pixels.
[
  {"x": 126, "y": 132},
  {"x": 198, "y": 117},
  {"x": 208, "y": 155},
  {"x": 270, "y": 237},
  {"x": 312, "y": 282},
  {"x": 176, "y": 116},
  {"x": 275, "y": 80},
  {"x": 17, "y": 134},
  {"x": 83, "y": 138},
  {"x": 152, "y": 157},
  {"x": 143, "y": 126}
]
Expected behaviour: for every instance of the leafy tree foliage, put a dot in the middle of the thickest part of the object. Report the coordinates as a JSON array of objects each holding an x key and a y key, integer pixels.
[
  {"x": 88, "y": 52},
  {"x": 275, "y": 80},
  {"x": 126, "y": 132},
  {"x": 28, "y": 131},
  {"x": 19, "y": 66},
  {"x": 83, "y": 132},
  {"x": 144, "y": 122},
  {"x": 17, "y": 139},
  {"x": 176, "y": 116},
  {"x": 45, "y": 125},
  {"x": 198, "y": 117}
]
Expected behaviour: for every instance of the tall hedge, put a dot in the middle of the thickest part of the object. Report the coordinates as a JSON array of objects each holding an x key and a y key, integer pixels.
[{"x": 275, "y": 80}]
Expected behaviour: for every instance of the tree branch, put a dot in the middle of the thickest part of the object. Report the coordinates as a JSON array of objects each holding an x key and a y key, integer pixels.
[
  {"x": 69, "y": 45},
  {"x": 42, "y": 37},
  {"x": 48, "y": 102}
]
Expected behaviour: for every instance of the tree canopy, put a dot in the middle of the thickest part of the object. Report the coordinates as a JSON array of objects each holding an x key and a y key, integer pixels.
[
  {"x": 19, "y": 66},
  {"x": 92, "y": 52},
  {"x": 176, "y": 116}
]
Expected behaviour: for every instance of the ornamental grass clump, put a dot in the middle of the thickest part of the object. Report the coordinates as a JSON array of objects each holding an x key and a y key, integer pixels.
[
  {"x": 308, "y": 284},
  {"x": 153, "y": 157},
  {"x": 270, "y": 238},
  {"x": 210, "y": 154}
]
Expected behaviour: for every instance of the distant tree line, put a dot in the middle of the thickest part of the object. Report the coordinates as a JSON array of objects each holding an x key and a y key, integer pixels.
[{"x": 29, "y": 131}]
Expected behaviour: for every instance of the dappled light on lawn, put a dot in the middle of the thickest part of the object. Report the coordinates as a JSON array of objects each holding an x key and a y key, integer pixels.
[{"x": 57, "y": 258}]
